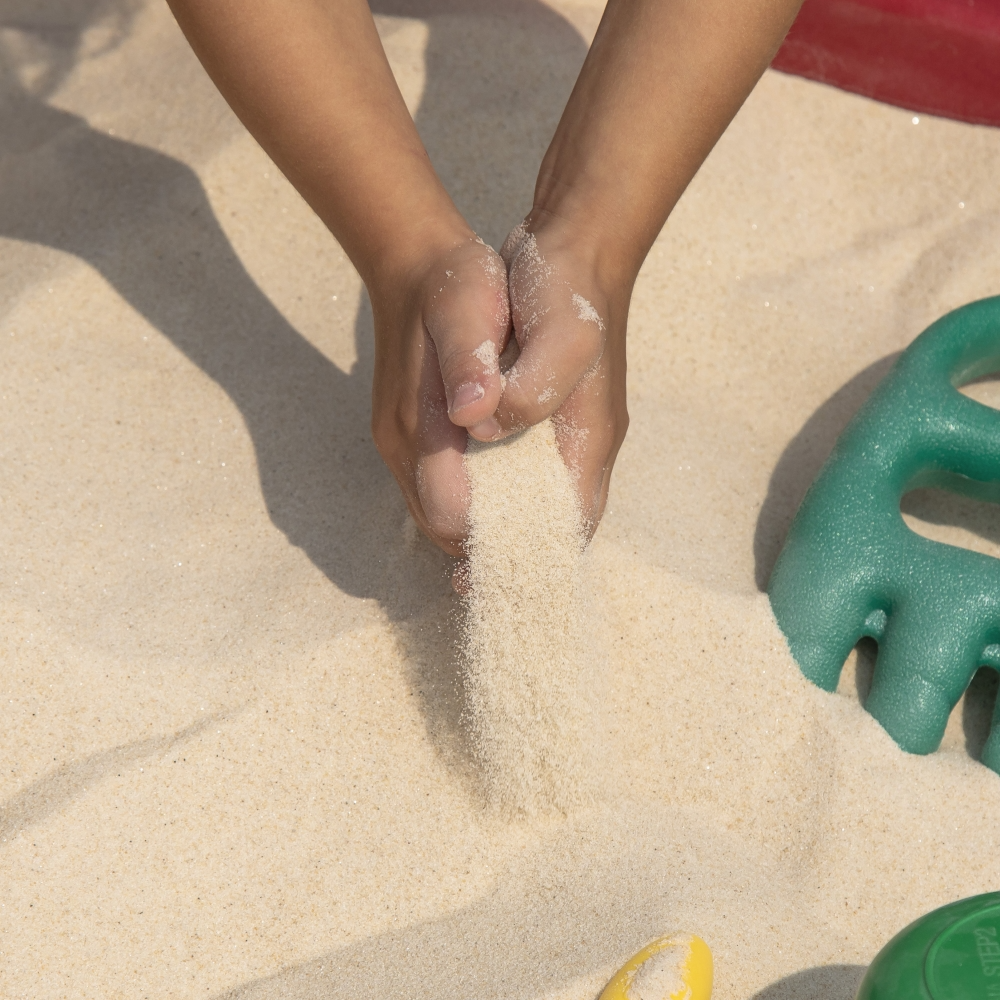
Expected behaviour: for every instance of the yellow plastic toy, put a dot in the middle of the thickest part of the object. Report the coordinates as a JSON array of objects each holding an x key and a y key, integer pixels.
[{"x": 675, "y": 967}]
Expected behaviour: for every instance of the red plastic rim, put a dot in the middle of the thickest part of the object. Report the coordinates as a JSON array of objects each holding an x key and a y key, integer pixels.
[{"x": 941, "y": 57}]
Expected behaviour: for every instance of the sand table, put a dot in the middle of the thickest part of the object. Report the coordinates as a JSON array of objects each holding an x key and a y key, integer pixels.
[{"x": 236, "y": 759}]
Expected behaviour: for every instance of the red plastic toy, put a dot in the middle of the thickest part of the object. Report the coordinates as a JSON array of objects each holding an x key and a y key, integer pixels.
[{"x": 941, "y": 57}]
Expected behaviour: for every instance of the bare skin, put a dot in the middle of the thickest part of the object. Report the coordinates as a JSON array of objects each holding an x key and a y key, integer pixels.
[{"x": 660, "y": 84}]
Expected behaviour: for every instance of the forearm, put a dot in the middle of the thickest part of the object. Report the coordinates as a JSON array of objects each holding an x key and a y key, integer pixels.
[
  {"x": 310, "y": 80},
  {"x": 660, "y": 84}
]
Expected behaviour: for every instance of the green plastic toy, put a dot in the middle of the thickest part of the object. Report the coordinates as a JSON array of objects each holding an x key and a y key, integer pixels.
[
  {"x": 850, "y": 566},
  {"x": 950, "y": 954}
]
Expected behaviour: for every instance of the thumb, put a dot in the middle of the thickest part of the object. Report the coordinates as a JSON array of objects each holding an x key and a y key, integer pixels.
[{"x": 469, "y": 322}]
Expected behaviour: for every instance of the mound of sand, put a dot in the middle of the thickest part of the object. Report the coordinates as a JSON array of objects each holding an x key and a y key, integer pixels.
[{"x": 236, "y": 758}]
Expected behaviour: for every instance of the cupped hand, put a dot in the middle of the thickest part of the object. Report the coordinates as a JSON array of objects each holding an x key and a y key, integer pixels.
[
  {"x": 439, "y": 328},
  {"x": 569, "y": 323}
]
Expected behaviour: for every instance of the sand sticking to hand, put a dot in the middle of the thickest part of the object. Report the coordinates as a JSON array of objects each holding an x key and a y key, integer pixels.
[{"x": 527, "y": 658}]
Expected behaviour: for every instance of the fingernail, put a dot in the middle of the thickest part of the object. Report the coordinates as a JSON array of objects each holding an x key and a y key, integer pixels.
[
  {"x": 485, "y": 430},
  {"x": 466, "y": 394}
]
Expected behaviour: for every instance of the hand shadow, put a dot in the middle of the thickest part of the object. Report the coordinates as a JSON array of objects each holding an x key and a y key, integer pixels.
[
  {"x": 526, "y": 938},
  {"x": 497, "y": 76},
  {"x": 825, "y": 982},
  {"x": 801, "y": 461}
]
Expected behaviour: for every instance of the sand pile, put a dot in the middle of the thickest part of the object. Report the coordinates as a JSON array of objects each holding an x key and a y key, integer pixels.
[{"x": 234, "y": 759}]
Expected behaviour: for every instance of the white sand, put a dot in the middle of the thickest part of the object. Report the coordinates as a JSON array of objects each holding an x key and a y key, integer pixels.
[
  {"x": 531, "y": 659},
  {"x": 233, "y": 759}
]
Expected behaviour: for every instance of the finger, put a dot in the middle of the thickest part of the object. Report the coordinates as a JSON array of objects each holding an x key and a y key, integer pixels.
[
  {"x": 424, "y": 449},
  {"x": 560, "y": 335},
  {"x": 469, "y": 322},
  {"x": 442, "y": 526},
  {"x": 590, "y": 428},
  {"x": 441, "y": 483},
  {"x": 553, "y": 361},
  {"x": 443, "y": 491},
  {"x": 413, "y": 504}
]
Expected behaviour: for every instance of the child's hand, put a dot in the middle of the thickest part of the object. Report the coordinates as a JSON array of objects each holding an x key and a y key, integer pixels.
[
  {"x": 312, "y": 83},
  {"x": 569, "y": 323},
  {"x": 659, "y": 85},
  {"x": 438, "y": 332}
]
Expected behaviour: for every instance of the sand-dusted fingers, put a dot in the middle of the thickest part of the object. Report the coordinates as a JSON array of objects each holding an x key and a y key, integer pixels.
[
  {"x": 567, "y": 361},
  {"x": 438, "y": 334},
  {"x": 468, "y": 318},
  {"x": 560, "y": 333}
]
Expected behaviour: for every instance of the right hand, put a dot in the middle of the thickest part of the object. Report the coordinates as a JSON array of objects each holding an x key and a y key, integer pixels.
[{"x": 569, "y": 321}]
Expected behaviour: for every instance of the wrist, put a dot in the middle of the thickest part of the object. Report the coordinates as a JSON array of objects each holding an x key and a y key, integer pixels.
[
  {"x": 592, "y": 214},
  {"x": 576, "y": 230},
  {"x": 397, "y": 259}
]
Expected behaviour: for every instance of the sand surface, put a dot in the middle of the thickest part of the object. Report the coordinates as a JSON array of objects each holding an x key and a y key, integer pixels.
[{"x": 232, "y": 757}]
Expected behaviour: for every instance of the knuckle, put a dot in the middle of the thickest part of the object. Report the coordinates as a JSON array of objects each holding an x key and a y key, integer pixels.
[
  {"x": 458, "y": 365},
  {"x": 520, "y": 413}
]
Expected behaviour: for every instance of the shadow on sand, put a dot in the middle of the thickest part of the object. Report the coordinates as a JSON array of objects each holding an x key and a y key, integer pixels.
[
  {"x": 825, "y": 982},
  {"x": 801, "y": 461},
  {"x": 143, "y": 221},
  {"x": 544, "y": 925},
  {"x": 54, "y": 791}
]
